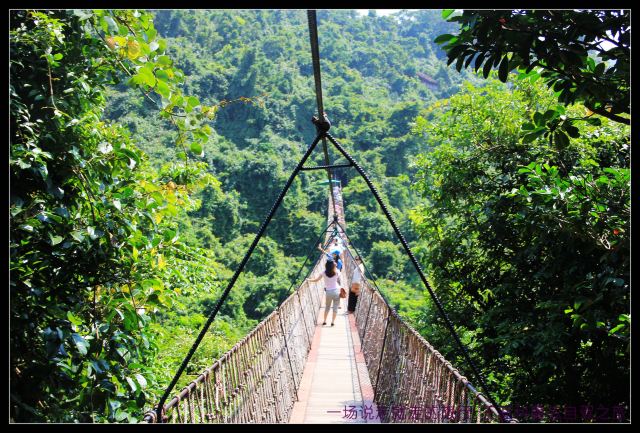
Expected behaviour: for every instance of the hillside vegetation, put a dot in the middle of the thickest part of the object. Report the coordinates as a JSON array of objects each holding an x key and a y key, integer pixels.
[{"x": 147, "y": 148}]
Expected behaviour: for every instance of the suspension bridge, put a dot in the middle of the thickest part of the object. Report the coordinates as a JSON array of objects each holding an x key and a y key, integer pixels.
[{"x": 372, "y": 367}]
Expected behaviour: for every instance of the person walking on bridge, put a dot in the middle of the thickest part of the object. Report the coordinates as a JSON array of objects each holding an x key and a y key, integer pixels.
[
  {"x": 338, "y": 260},
  {"x": 335, "y": 246},
  {"x": 356, "y": 283},
  {"x": 331, "y": 277}
]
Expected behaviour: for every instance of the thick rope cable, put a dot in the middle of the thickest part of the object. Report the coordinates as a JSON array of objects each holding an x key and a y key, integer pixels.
[
  {"x": 504, "y": 416},
  {"x": 212, "y": 315}
]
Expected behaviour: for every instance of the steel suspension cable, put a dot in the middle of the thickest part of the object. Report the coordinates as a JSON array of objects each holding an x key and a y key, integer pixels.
[
  {"x": 322, "y": 122},
  {"x": 313, "y": 247},
  {"x": 315, "y": 54}
]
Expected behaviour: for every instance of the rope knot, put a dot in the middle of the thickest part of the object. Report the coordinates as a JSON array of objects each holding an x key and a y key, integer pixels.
[{"x": 322, "y": 125}]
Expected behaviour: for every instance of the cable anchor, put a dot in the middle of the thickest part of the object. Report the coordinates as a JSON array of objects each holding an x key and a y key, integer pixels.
[{"x": 322, "y": 125}]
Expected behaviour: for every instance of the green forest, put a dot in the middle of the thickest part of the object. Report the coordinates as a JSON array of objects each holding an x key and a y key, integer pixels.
[{"x": 148, "y": 146}]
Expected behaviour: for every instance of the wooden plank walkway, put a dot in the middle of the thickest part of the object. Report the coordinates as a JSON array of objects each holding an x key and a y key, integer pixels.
[{"x": 335, "y": 384}]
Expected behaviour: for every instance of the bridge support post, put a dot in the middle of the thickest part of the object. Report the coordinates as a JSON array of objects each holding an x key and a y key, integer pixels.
[{"x": 304, "y": 321}]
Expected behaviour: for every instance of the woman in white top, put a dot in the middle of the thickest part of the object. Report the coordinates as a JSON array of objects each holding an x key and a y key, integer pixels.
[{"x": 331, "y": 277}]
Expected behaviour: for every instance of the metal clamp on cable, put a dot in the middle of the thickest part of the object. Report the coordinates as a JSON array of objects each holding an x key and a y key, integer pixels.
[{"x": 322, "y": 125}]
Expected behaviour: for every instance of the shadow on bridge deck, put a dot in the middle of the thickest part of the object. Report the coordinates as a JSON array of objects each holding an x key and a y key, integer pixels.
[{"x": 335, "y": 386}]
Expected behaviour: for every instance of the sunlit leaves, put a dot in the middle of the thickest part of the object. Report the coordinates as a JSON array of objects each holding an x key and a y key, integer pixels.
[
  {"x": 55, "y": 240},
  {"x": 443, "y": 38},
  {"x": 196, "y": 148},
  {"x": 152, "y": 69},
  {"x": 446, "y": 13},
  {"x": 163, "y": 89},
  {"x": 164, "y": 61},
  {"x": 145, "y": 76},
  {"x": 192, "y": 102},
  {"x": 133, "y": 49},
  {"x": 105, "y": 147},
  {"x": 82, "y": 14},
  {"x": 89, "y": 223}
]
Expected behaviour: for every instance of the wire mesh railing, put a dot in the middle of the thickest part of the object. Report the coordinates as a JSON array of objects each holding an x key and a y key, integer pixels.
[{"x": 256, "y": 381}]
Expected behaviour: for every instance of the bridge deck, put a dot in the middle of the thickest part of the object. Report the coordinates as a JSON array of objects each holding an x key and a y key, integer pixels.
[{"x": 335, "y": 376}]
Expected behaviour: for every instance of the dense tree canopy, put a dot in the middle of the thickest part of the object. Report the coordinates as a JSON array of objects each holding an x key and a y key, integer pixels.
[
  {"x": 567, "y": 46},
  {"x": 532, "y": 243},
  {"x": 92, "y": 221},
  {"x": 527, "y": 211}
]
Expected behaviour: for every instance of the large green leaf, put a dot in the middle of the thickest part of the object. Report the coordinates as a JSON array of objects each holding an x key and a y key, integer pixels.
[
  {"x": 504, "y": 69},
  {"x": 80, "y": 343}
]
